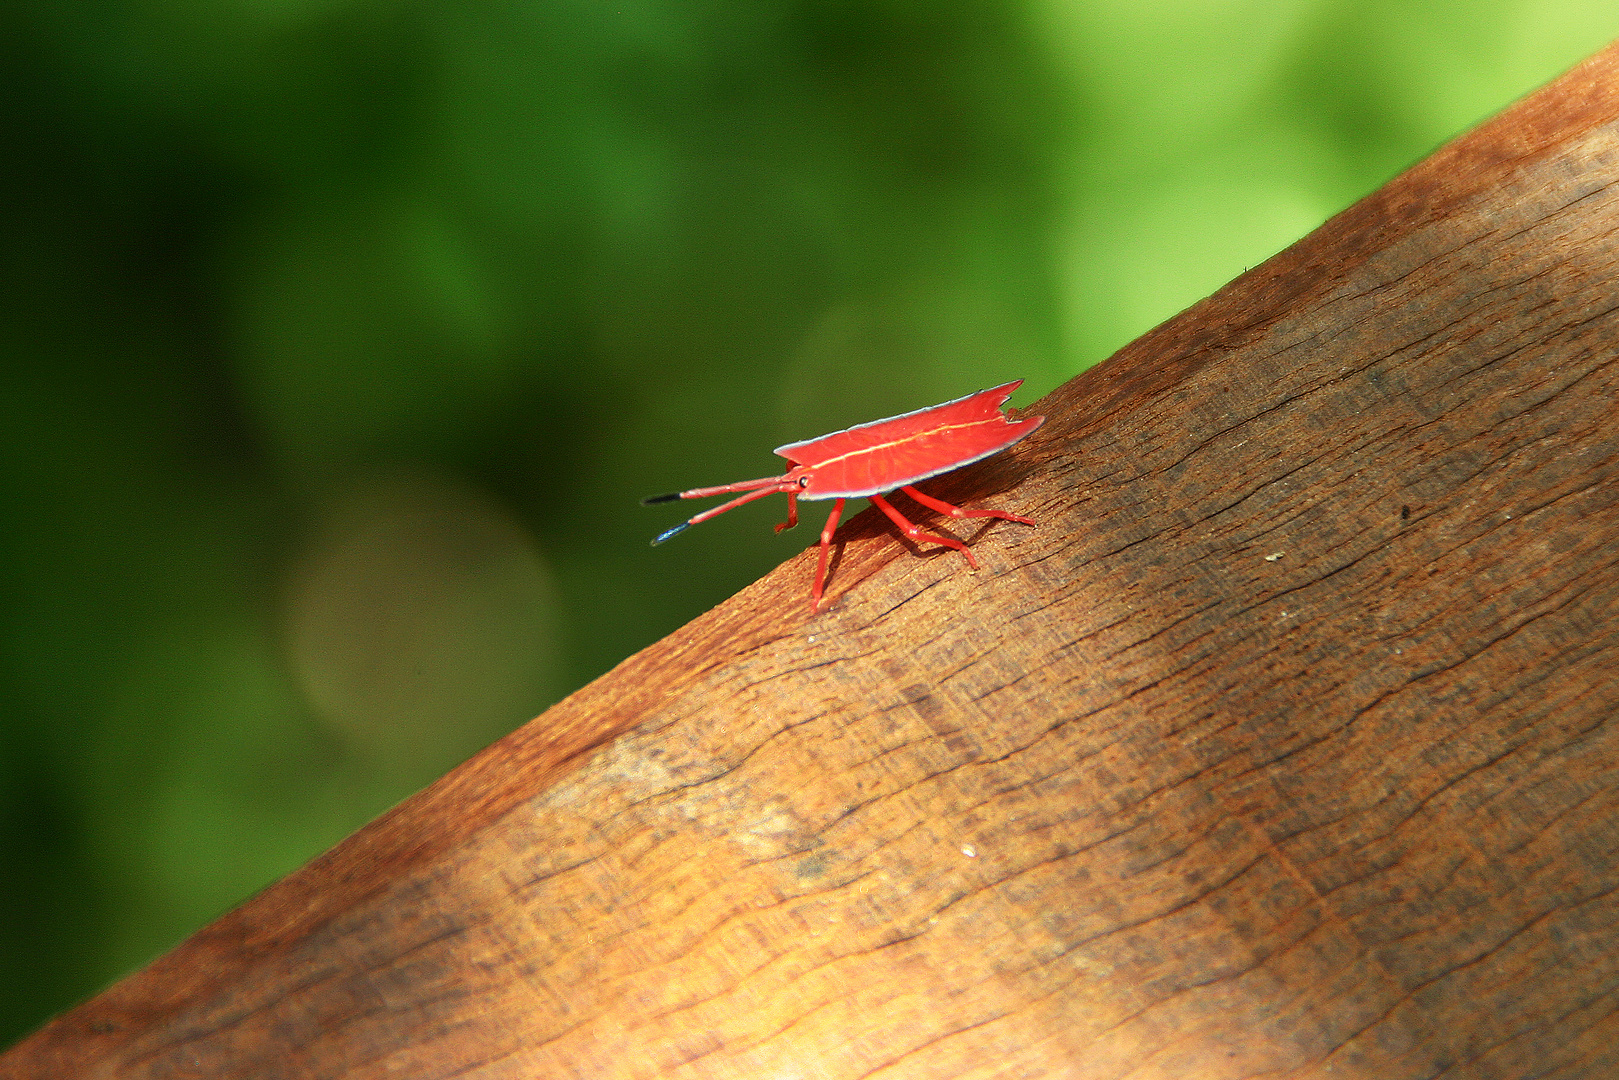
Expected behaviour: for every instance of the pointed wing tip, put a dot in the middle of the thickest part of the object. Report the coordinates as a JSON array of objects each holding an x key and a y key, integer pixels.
[
  {"x": 999, "y": 394},
  {"x": 1020, "y": 428}
]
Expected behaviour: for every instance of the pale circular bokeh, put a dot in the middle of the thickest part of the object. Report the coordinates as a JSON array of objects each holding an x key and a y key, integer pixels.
[{"x": 420, "y": 620}]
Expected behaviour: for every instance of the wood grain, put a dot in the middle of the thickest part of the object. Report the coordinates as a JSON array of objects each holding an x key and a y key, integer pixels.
[{"x": 1285, "y": 745}]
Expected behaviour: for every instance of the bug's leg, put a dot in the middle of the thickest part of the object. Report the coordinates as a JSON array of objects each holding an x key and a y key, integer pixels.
[
  {"x": 916, "y": 533},
  {"x": 957, "y": 512},
  {"x": 792, "y": 512},
  {"x": 826, "y": 546}
]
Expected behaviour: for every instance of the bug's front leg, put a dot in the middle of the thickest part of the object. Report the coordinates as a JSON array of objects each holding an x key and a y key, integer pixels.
[
  {"x": 826, "y": 547},
  {"x": 792, "y": 512}
]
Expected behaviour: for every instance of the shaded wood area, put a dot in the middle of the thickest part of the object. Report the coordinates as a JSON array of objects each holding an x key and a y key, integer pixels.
[{"x": 1284, "y": 745}]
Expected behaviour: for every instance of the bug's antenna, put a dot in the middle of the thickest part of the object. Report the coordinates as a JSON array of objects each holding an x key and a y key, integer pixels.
[
  {"x": 755, "y": 489},
  {"x": 667, "y": 533}
]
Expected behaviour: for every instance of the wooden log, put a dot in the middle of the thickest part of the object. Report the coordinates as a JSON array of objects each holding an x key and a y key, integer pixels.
[{"x": 1285, "y": 743}]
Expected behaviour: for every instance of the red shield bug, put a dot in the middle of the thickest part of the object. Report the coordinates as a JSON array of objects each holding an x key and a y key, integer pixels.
[{"x": 871, "y": 460}]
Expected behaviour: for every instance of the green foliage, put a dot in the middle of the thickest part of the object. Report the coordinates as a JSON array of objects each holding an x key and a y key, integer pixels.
[{"x": 340, "y": 338}]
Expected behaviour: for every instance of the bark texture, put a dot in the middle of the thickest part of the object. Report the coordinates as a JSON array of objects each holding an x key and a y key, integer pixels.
[{"x": 1285, "y": 744}]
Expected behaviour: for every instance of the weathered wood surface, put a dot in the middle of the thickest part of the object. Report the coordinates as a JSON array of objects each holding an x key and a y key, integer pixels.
[{"x": 1285, "y": 745}]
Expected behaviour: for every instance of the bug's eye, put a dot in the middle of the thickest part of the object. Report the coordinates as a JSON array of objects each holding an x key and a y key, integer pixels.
[{"x": 803, "y": 481}]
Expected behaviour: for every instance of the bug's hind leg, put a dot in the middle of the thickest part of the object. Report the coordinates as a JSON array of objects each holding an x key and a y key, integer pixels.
[
  {"x": 915, "y": 533},
  {"x": 957, "y": 512}
]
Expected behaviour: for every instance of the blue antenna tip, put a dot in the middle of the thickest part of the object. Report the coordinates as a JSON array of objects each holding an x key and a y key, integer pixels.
[{"x": 667, "y": 533}]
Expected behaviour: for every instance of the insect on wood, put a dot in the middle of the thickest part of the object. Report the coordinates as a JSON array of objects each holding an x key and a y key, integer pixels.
[{"x": 875, "y": 459}]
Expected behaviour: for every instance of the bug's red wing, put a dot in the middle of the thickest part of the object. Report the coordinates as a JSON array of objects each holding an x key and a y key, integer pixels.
[{"x": 872, "y": 458}]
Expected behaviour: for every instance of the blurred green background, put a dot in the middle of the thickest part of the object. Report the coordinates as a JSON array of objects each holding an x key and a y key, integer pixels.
[{"x": 342, "y": 336}]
